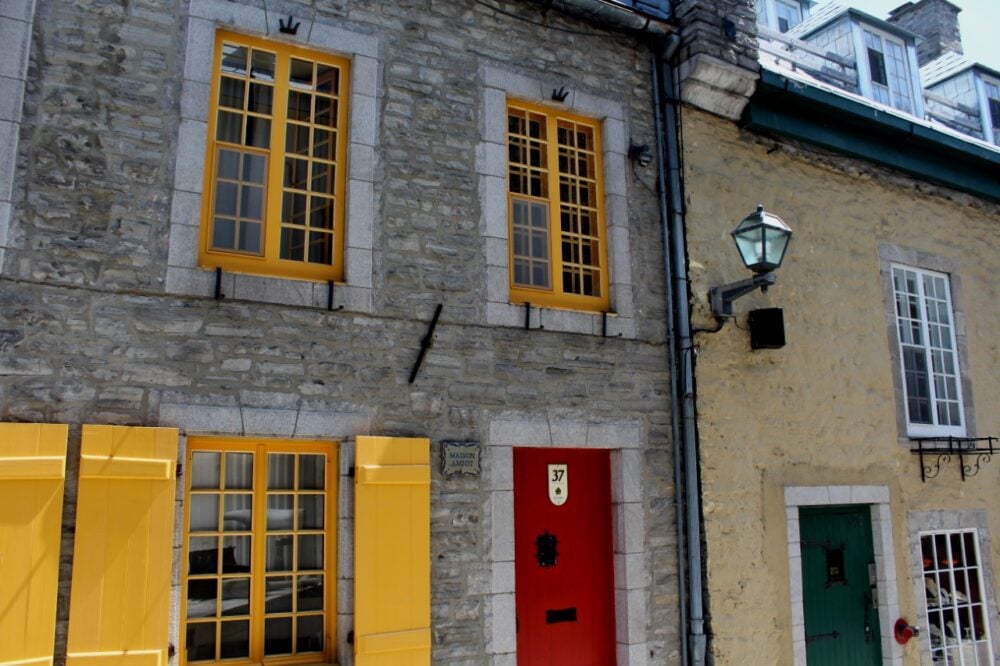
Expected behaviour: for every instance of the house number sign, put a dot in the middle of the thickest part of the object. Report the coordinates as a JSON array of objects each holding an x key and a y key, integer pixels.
[{"x": 558, "y": 484}]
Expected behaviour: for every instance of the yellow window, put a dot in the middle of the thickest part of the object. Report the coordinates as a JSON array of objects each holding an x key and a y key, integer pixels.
[
  {"x": 259, "y": 551},
  {"x": 275, "y": 169},
  {"x": 558, "y": 255}
]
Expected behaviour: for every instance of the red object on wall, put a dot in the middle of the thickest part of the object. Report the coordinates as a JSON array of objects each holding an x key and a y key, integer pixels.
[
  {"x": 903, "y": 632},
  {"x": 564, "y": 572}
]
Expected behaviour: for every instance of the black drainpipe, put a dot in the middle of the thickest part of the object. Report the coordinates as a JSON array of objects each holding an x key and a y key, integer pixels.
[{"x": 682, "y": 389}]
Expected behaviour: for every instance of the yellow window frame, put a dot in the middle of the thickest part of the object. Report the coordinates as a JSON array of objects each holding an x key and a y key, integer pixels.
[
  {"x": 555, "y": 296},
  {"x": 261, "y": 448},
  {"x": 269, "y": 262}
]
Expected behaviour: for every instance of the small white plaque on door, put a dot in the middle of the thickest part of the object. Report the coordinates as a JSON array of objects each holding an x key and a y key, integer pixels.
[{"x": 558, "y": 484}]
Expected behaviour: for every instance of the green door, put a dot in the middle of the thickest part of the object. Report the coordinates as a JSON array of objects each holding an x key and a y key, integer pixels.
[{"x": 838, "y": 586}]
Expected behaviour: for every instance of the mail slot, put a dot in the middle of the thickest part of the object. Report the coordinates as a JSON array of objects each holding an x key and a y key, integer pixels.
[{"x": 553, "y": 616}]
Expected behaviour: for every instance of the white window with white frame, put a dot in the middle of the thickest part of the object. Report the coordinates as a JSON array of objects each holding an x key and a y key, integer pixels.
[
  {"x": 781, "y": 15},
  {"x": 788, "y": 14},
  {"x": 928, "y": 353},
  {"x": 991, "y": 114},
  {"x": 888, "y": 72},
  {"x": 955, "y": 604}
]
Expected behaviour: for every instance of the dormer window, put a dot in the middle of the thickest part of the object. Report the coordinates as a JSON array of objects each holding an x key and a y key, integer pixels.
[
  {"x": 781, "y": 15},
  {"x": 963, "y": 95},
  {"x": 993, "y": 102},
  {"x": 887, "y": 71},
  {"x": 789, "y": 15},
  {"x": 854, "y": 51}
]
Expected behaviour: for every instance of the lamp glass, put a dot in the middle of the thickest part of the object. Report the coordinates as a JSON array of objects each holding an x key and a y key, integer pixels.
[{"x": 761, "y": 239}]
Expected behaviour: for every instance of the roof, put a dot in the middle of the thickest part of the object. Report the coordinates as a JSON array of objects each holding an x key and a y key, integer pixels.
[
  {"x": 830, "y": 12},
  {"x": 790, "y": 72},
  {"x": 950, "y": 65}
]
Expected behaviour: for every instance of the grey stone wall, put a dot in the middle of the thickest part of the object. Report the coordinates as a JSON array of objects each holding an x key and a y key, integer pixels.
[
  {"x": 90, "y": 336},
  {"x": 934, "y": 20},
  {"x": 717, "y": 59}
]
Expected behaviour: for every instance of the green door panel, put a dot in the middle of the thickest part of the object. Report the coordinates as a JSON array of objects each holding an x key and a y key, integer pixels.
[{"x": 841, "y": 624}]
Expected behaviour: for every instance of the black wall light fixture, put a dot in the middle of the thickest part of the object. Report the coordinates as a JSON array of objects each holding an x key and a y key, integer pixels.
[{"x": 761, "y": 239}]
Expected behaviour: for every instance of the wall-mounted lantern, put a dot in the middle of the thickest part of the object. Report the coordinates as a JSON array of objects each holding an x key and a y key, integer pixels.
[{"x": 761, "y": 239}]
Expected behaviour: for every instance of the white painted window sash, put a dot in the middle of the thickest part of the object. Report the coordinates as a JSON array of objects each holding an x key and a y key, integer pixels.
[{"x": 934, "y": 429}]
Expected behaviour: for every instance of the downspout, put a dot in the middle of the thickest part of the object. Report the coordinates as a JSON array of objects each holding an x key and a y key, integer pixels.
[
  {"x": 663, "y": 52},
  {"x": 683, "y": 414}
]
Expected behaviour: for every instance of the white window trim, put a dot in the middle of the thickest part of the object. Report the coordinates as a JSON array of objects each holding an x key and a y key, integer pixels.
[
  {"x": 626, "y": 441},
  {"x": 865, "y": 74},
  {"x": 877, "y": 497},
  {"x": 771, "y": 12},
  {"x": 980, "y": 80},
  {"x": 183, "y": 273},
  {"x": 940, "y": 521},
  {"x": 491, "y": 167},
  {"x": 790, "y": 5},
  {"x": 889, "y": 254},
  {"x": 923, "y": 429},
  {"x": 16, "y": 20}
]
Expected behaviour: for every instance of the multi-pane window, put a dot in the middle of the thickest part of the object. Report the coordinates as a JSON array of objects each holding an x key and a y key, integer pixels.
[
  {"x": 558, "y": 246},
  {"x": 957, "y": 619},
  {"x": 789, "y": 15},
  {"x": 888, "y": 72},
  {"x": 275, "y": 174},
  {"x": 993, "y": 102},
  {"x": 928, "y": 352},
  {"x": 259, "y": 551}
]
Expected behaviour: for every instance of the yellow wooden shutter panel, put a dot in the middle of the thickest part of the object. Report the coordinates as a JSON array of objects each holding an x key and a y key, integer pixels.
[
  {"x": 392, "y": 552},
  {"x": 120, "y": 600},
  {"x": 32, "y": 477}
]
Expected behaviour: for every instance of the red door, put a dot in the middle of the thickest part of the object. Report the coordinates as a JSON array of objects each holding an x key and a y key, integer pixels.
[{"x": 563, "y": 557}]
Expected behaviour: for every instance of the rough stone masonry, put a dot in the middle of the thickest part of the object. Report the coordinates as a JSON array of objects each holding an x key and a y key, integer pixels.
[{"x": 89, "y": 334}]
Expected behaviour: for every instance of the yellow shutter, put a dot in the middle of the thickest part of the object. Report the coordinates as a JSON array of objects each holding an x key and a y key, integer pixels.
[
  {"x": 392, "y": 553},
  {"x": 120, "y": 600},
  {"x": 32, "y": 477}
]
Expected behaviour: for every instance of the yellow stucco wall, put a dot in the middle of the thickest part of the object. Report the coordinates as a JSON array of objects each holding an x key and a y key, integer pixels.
[{"x": 821, "y": 411}]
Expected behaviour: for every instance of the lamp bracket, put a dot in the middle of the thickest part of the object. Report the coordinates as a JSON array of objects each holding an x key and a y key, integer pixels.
[{"x": 721, "y": 298}]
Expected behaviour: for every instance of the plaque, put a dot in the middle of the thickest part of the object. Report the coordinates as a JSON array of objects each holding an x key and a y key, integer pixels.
[{"x": 460, "y": 458}]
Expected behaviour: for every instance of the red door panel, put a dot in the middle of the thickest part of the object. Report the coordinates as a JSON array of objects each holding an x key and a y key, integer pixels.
[{"x": 565, "y": 599}]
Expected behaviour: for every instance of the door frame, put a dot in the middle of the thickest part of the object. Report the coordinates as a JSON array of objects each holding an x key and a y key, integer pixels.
[
  {"x": 877, "y": 498},
  {"x": 625, "y": 440}
]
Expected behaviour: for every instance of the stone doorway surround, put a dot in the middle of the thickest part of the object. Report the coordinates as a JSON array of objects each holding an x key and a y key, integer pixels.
[
  {"x": 877, "y": 497},
  {"x": 625, "y": 440}
]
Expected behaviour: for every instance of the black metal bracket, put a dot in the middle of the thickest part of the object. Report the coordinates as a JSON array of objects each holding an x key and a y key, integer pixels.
[
  {"x": 218, "y": 284},
  {"x": 289, "y": 28},
  {"x": 604, "y": 326},
  {"x": 561, "y": 94},
  {"x": 425, "y": 344},
  {"x": 943, "y": 449},
  {"x": 329, "y": 298},
  {"x": 721, "y": 298},
  {"x": 816, "y": 637},
  {"x": 527, "y": 318}
]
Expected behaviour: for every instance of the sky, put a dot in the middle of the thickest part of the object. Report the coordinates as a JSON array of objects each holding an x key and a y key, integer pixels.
[{"x": 978, "y": 21}]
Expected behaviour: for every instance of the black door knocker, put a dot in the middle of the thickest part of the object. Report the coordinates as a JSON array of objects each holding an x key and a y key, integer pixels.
[{"x": 546, "y": 553}]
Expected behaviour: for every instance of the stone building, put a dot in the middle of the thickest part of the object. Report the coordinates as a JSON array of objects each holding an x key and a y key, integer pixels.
[
  {"x": 291, "y": 332},
  {"x": 845, "y": 444}
]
